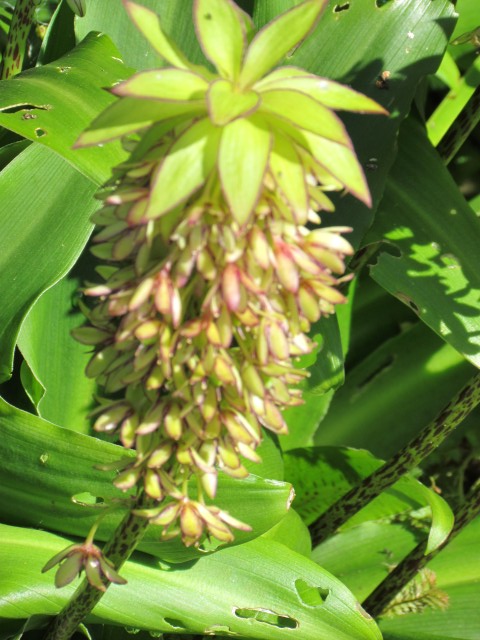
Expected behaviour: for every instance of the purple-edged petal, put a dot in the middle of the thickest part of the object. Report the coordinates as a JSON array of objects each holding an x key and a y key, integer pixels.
[
  {"x": 221, "y": 34},
  {"x": 329, "y": 93},
  {"x": 225, "y": 104},
  {"x": 110, "y": 572},
  {"x": 288, "y": 173},
  {"x": 130, "y": 115},
  {"x": 148, "y": 23},
  {"x": 305, "y": 112},
  {"x": 94, "y": 574},
  {"x": 174, "y": 85},
  {"x": 69, "y": 570},
  {"x": 242, "y": 161},
  {"x": 58, "y": 557},
  {"x": 277, "y": 38},
  {"x": 185, "y": 168}
]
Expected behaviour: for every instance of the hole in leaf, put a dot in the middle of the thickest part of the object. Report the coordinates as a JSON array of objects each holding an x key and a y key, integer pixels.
[
  {"x": 40, "y": 133},
  {"x": 176, "y": 624},
  {"x": 268, "y": 617},
  {"x": 311, "y": 596},
  {"x": 21, "y": 107},
  {"x": 86, "y": 499},
  {"x": 381, "y": 3},
  {"x": 341, "y": 7}
]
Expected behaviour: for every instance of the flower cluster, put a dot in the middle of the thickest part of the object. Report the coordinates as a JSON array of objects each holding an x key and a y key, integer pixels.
[{"x": 212, "y": 273}]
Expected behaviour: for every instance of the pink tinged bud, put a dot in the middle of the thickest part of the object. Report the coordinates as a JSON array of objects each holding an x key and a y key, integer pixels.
[
  {"x": 208, "y": 408},
  {"x": 253, "y": 380},
  {"x": 127, "y": 195},
  {"x": 223, "y": 370},
  {"x": 247, "y": 317},
  {"x": 247, "y": 452},
  {"x": 305, "y": 262},
  {"x": 200, "y": 463},
  {"x": 110, "y": 232},
  {"x": 151, "y": 420},
  {"x": 327, "y": 259},
  {"x": 190, "y": 523},
  {"x": 156, "y": 378},
  {"x": 167, "y": 515},
  {"x": 98, "y": 291},
  {"x": 123, "y": 247},
  {"x": 144, "y": 356},
  {"x": 257, "y": 405},
  {"x": 239, "y": 428},
  {"x": 152, "y": 485},
  {"x": 239, "y": 472},
  {"x": 231, "y": 287},
  {"x": 273, "y": 418},
  {"x": 127, "y": 479},
  {"x": 230, "y": 520},
  {"x": 286, "y": 269},
  {"x": 279, "y": 391},
  {"x": 206, "y": 265},
  {"x": 213, "y": 335},
  {"x": 108, "y": 421},
  {"x": 110, "y": 572},
  {"x": 213, "y": 428},
  {"x": 328, "y": 293},
  {"x": 128, "y": 429},
  {"x": 148, "y": 331},
  {"x": 173, "y": 424},
  {"x": 176, "y": 307},
  {"x": 163, "y": 292},
  {"x": 100, "y": 362},
  {"x": 141, "y": 294},
  {"x": 262, "y": 344},
  {"x": 160, "y": 456},
  {"x": 90, "y": 335},
  {"x": 301, "y": 345},
  {"x": 308, "y": 303},
  {"x": 209, "y": 484},
  {"x": 260, "y": 247},
  {"x": 225, "y": 329},
  {"x": 277, "y": 342},
  {"x": 93, "y": 573}
]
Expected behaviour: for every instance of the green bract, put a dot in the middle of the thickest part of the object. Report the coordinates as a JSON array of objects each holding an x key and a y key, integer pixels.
[{"x": 248, "y": 120}]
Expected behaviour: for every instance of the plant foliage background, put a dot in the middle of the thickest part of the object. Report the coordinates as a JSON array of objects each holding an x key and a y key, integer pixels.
[{"x": 405, "y": 343}]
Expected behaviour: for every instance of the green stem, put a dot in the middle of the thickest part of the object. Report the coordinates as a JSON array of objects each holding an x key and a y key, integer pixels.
[
  {"x": 377, "y": 601},
  {"x": 401, "y": 463},
  {"x": 20, "y": 26},
  {"x": 119, "y": 548}
]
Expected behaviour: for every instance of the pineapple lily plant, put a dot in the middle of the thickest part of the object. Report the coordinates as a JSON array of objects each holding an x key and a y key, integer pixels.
[{"x": 207, "y": 323}]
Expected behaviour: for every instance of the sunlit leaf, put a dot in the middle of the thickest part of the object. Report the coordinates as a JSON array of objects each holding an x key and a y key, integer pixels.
[{"x": 163, "y": 84}]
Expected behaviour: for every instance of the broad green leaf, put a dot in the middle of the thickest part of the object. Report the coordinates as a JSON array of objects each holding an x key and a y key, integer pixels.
[
  {"x": 289, "y": 176},
  {"x": 221, "y": 34},
  {"x": 413, "y": 376},
  {"x": 55, "y": 103},
  {"x": 129, "y": 115},
  {"x": 293, "y": 533},
  {"x": 55, "y": 358},
  {"x": 59, "y": 38},
  {"x": 361, "y": 558},
  {"x": 185, "y": 168},
  {"x": 321, "y": 475},
  {"x": 272, "y": 43},
  {"x": 303, "y": 111},
  {"x": 354, "y": 46},
  {"x": 164, "y": 84},
  {"x": 148, "y": 23},
  {"x": 10, "y": 151},
  {"x": 426, "y": 218},
  {"x": 328, "y": 92},
  {"x": 42, "y": 236},
  {"x": 57, "y": 464},
  {"x": 242, "y": 162},
  {"x": 260, "y": 590},
  {"x": 175, "y": 20}
]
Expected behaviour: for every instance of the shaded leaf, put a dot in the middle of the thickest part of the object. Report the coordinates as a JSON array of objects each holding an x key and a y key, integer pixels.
[{"x": 44, "y": 238}]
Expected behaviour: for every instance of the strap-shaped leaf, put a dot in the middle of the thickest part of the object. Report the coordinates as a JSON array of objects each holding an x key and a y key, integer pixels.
[
  {"x": 148, "y": 24},
  {"x": 305, "y": 112},
  {"x": 277, "y": 38},
  {"x": 242, "y": 162},
  {"x": 164, "y": 84},
  {"x": 185, "y": 168},
  {"x": 328, "y": 92},
  {"x": 221, "y": 33}
]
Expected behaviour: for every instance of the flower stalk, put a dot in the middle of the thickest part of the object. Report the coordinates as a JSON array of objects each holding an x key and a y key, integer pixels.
[
  {"x": 401, "y": 463},
  {"x": 378, "y": 601}
]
